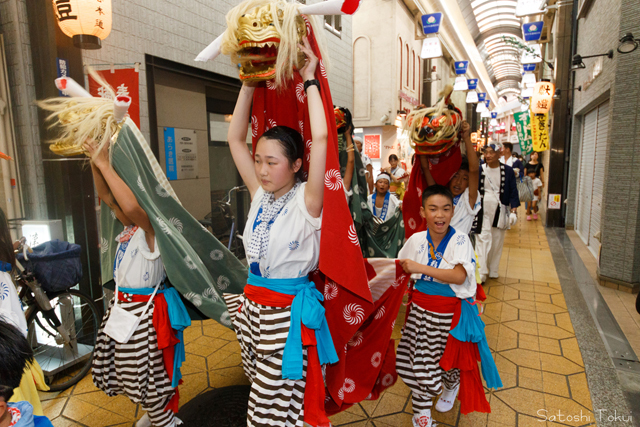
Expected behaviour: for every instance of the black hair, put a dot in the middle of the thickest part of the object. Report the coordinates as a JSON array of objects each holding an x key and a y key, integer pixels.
[
  {"x": 436, "y": 190},
  {"x": 348, "y": 121},
  {"x": 15, "y": 352},
  {"x": 508, "y": 145},
  {"x": 6, "y": 242},
  {"x": 291, "y": 142},
  {"x": 464, "y": 166},
  {"x": 393, "y": 157}
]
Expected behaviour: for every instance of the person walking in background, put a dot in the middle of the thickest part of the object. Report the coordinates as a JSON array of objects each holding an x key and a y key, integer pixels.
[
  {"x": 535, "y": 164},
  {"x": 499, "y": 193},
  {"x": 509, "y": 160},
  {"x": 537, "y": 189}
]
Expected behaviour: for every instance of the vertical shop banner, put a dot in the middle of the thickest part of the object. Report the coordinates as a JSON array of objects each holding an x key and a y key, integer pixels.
[
  {"x": 523, "y": 127},
  {"x": 372, "y": 146},
  {"x": 124, "y": 82},
  {"x": 540, "y": 131},
  {"x": 63, "y": 70},
  {"x": 181, "y": 153}
]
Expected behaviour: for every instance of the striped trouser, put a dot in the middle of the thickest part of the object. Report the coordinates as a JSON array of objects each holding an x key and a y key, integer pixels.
[
  {"x": 424, "y": 338},
  {"x": 136, "y": 368},
  {"x": 262, "y": 332}
]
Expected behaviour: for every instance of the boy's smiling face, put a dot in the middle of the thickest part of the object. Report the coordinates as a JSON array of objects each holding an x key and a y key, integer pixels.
[
  {"x": 459, "y": 182},
  {"x": 438, "y": 211}
]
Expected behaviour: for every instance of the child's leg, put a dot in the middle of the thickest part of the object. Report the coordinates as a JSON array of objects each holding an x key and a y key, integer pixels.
[
  {"x": 423, "y": 341},
  {"x": 451, "y": 378},
  {"x": 157, "y": 415},
  {"x": 535, "y": 206}
]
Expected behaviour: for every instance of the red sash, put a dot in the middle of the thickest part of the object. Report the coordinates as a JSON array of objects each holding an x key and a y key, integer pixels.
[{"x": 314, "y": 393}]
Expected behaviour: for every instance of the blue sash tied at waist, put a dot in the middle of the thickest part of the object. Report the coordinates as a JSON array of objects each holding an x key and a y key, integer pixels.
[
  {"x": 179, "y": 318},
  {"x": 470, "y": 328},
  {"x": 305, "y": 309}
]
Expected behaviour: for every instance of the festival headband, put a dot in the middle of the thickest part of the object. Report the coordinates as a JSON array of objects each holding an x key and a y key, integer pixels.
[
  {"x": 329, "y": 7},
  {"x": 495, "y": 146},
  {"x": 383, "y": 176}
]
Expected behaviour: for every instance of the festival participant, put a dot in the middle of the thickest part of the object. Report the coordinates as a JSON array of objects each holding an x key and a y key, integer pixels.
[
  {"x": 463, "y": 185},
  {"x": 509, "y": 158},
  {"x": 443, "y": 332},
  {"x": 139, "y": 274},
  {"x": 398, "y": 176},
  {"x": 366, "y": 161},
  {"x": 282, "y": 241},
  {"x": 499, "y": 194},
  {"x": 382, "y": 203},
  {"x": 16, "y": 355}
]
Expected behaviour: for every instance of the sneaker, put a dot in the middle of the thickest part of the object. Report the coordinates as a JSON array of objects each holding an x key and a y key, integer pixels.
[
  {"x": 423, "y": 419},
  {"x": 493, "y": 276},
  {"x": 535, "y": 216},
  {"x": 447, "y": 399},
  {"x": 528, "y": 217}
]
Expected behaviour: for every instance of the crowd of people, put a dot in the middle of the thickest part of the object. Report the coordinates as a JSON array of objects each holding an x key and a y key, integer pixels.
[{"x": 279, "y": 318}]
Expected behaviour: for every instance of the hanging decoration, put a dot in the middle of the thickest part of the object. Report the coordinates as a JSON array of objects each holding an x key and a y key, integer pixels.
[
  {"x": 87, "y": 22},
  {"x": 540, "y": 131},
  {"x": 542, "y": 97}
]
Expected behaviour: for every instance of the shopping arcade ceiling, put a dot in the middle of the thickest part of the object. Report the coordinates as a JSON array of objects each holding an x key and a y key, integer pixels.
[{"x": 489, "y": 21}]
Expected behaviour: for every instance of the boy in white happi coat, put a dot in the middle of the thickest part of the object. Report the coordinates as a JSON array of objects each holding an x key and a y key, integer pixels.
[{"x": 382, "y": 203}]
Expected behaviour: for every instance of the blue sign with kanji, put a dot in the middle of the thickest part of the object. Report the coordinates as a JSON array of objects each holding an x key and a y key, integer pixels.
[
  {"x": 482, "y": 96},
  {"x": 461, "y": 67},
  {"x": 532, "y": 31},
  {"x": 431, "y": 23},
  {"x": 473, "y": 83},
  {"x": 529, "y": 67},
  {"x": 170, "y": 153},
  {"x": 494, "y": 115}
]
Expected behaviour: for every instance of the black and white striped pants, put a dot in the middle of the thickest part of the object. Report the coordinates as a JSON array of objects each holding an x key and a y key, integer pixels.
[
  {"x": 262, "y": 332},
  {"x": 424, "y": 338},
  {"x": 136, "y": 368}
]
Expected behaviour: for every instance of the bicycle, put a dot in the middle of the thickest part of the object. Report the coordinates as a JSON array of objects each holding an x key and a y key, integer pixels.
[
  {"x": 223, "y": 214},
  {"x": 62, "y": 324}
]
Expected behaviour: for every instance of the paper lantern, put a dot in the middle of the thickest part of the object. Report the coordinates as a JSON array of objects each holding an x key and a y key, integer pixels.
[
  {"x": 88, "y": 22},
  {"x": 472, "y": 97},
  {"x": 461, "y": 84},
  {"x": 542, "y": 97},
  {"x": 481, "y": 107},
  {"x": 485, "y": 114}
]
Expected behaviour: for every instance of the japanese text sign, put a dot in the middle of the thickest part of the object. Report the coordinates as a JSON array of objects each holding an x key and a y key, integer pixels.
[
  {"x": 431, "y": 48},
  {"x": 482, "y": 96},
  {"x": 472, "y": 83},
  {"x": 540, "y": 131},
  {"x": 124, "y": 82},
  {"x": 63, "y": 70},
  {"x": 529, "y": 67},
  {"x": 523, "y": 127},
  {"x": 431, "y": 23},
  {"x": 372, "y": 146},
  {"x": 542, "y": 97}
]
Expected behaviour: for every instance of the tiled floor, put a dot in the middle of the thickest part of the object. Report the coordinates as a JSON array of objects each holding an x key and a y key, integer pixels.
[{"x": 528, "y": 329}]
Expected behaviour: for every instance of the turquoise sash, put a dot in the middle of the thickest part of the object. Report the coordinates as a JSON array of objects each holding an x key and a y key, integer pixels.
[{"x": 306, "y": 309}]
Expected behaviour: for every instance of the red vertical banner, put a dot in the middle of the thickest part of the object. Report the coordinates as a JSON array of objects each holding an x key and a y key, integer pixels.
[
  {"x": 372, "y": 146},
  {"x": 124, "y": 82}
]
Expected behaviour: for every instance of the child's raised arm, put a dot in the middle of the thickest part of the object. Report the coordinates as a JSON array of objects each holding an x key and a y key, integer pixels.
[
  {"x": 124, "y": 197},
  {"x": 424, "y": 165},
  {"x": 237, "y": 137},
  {"x": 314, "y": 191}
]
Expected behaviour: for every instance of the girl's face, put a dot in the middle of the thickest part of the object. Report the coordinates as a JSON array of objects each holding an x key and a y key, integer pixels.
[
  {"x": 272, "y": 166},
  {"x": 534, "y": 156},
  {"x": 393, "y": 163}
]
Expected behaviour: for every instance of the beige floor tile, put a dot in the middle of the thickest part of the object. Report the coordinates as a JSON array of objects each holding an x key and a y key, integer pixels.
[
  {"x": 98, "y": 418},
  {"x": 77, "y": 409},
  {"x": 555, "y": 384},
  {"x": 53, "y": 408},
  {"x": 521, "y": 400},
  {"x": 580, "y": 390},
  {"x": 567, "y": 411},
  {"x": 526, "y": 358},
  {"x": 64, "y": 422},
  {"x": 559, "y": 364}
]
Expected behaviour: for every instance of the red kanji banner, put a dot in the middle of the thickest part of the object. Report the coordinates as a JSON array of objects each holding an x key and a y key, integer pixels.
[{"x": 124, "y": 82}]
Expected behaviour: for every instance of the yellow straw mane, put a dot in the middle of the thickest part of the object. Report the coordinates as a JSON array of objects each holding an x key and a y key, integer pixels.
[
  {"x": 78, "y": 119},
  {"x": 288, "y": 30}
]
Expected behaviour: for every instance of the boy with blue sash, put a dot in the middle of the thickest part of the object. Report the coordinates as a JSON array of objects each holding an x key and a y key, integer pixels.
[{"x": 443, "y": 336}]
